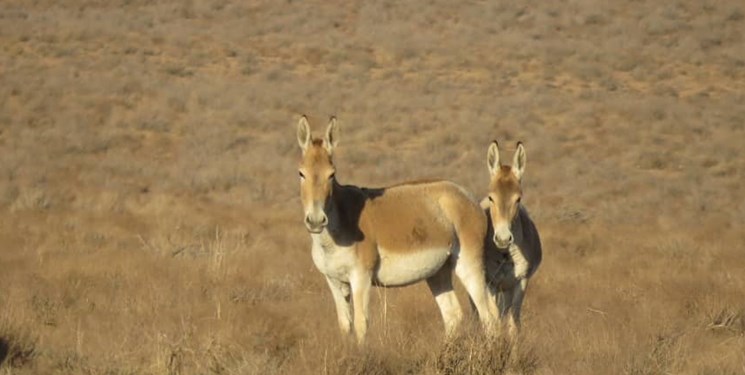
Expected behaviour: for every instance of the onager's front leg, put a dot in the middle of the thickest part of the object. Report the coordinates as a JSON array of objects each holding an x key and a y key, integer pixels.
[
  {"x": 340, "y": 292},
  {"x": 361, "y": 281},
  {"x": 517, "y": 302}
]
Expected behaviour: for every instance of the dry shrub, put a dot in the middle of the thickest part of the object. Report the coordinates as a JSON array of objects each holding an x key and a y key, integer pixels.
[
  {"x": 727, "y": 320},
  {"x": 18, "y": 346}
]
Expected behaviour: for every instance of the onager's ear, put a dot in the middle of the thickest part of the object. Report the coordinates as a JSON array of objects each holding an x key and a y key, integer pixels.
[
  {"x": 518, "y": 163},
  {"x": 332, "y": 135},
  {"x": 303, "y": 133},
  {"x": 492, "y": 158}
]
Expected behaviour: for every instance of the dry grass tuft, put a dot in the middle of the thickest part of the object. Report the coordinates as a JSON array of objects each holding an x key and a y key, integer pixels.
[
  {"x": 358, "y": 361},
  {"x": 473, "y": 353},
  {"x": 662, "y": 356}
]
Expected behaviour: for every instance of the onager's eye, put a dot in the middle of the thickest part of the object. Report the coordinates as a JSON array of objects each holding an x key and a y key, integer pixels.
[
  {"x": 302, "y": 176},
  {"x": 491, "y": 200},
  {"x": 518, "y": 200},
  {"x": 332, "y": 176}
]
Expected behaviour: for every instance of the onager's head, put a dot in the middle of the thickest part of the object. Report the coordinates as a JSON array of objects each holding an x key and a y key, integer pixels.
[
  {"x": 504, "y": 192},
  {"x": 316, "y": 173}
]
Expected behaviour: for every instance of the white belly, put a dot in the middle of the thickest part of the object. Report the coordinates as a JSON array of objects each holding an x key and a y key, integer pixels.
[
  {"x": 398, "y": 269},
  {"x": 393, "y": 268}
]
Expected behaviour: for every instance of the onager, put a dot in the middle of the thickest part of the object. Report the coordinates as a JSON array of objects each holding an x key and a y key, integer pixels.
[
  {"x": 389, "y": 237},
  {"x": 512, "y": 245}
]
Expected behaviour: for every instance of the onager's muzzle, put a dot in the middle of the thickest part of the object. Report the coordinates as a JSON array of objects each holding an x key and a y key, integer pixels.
[
  {"x": 503, "y": 238},
  {"x": 316, "y": 221}
]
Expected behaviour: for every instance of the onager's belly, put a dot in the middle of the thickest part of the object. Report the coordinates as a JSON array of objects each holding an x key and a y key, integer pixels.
[{"x": 398, "y": 269}]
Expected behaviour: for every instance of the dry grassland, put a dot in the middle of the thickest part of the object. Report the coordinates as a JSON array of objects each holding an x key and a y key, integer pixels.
[{"x": 149, "y": 213}]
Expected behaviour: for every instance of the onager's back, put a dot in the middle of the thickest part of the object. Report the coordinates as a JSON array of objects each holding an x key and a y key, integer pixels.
[
  {"x": 513, "y": 247},
  {"x": 390, "y": 237}
]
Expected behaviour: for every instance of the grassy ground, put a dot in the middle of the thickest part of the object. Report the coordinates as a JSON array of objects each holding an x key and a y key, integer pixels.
[{"x": 150, "y": 220}]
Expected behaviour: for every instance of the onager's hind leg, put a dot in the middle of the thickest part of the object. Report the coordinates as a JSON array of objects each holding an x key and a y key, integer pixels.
[
  {"x": 340, "y": 292},
  {"x": 441, "y": 285}
]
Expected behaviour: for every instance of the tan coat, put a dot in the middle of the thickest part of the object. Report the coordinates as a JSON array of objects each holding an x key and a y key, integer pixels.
[{"x": 392, "y": 236}]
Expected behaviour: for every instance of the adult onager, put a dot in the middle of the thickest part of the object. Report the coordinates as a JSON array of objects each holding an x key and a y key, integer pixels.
[
  {"x": 392, "y": 236},
  {"x": 512, "y": 245}
]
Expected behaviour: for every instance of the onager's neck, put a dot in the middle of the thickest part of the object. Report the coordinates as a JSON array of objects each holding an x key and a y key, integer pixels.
[
  {"x": 516, "y": 227},
  {"x": 343, "y": 211},
  {"x": 334, "y": 206}
]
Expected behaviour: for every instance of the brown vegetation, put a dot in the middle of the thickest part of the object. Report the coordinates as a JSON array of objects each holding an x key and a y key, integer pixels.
[{"x": 149, "y": 213}]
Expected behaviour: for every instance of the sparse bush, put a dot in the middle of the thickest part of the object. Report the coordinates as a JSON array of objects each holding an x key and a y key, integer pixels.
[{"x": 179, "y": 71}]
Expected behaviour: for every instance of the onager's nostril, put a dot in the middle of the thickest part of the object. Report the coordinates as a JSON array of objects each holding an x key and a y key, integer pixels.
[
  {"x": 316, "y": 222},
  {"x": 503, "y": 243}
]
